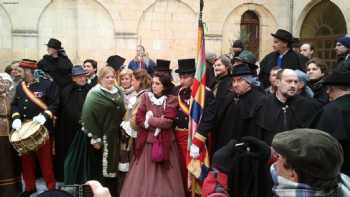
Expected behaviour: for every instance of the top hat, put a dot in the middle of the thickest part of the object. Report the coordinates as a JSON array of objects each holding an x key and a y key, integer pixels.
[
  {"x": 28, "y": 63},
  {"x": 54, "y": 43},
  {"x": 78, "y": 70},
  {"x": 283, "y": 35},
  {"x": 115, "y": 61},
  {"x": 241, "y": 69},
  {"x": 186, "y": 66},
  {"x": 163, "y": 65}
]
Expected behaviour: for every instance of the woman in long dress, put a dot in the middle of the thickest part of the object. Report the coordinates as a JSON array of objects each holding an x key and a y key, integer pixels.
[
  {"x": 134, "y": 84},
  {"x": 102, "y": 115},
  {"x": 155, "y": 171},
  {"x": 9, "y": 168}
]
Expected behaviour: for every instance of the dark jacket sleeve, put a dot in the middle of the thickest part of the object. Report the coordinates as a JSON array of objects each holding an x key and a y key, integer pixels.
[
  {"x": 14, "y": 105},
  {"x": 207, "y": 122},
  {"x": 53, "y": 98}
]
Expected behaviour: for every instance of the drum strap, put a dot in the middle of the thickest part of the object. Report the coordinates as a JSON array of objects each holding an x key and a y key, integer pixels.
[{"x": 37, "y": 101}]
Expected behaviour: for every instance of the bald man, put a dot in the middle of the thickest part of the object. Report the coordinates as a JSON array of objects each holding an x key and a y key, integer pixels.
[{"x": 285, "y": 110}]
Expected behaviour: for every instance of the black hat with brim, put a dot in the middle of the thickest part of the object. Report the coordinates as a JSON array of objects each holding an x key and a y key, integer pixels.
[
  {"x": 241, "y": 69},
  {"x": 78, "y": 70},
  {"x": 338, "y": 78},
  {"x": 163, "y": 65},
  {"x": 54, "y": 43},
  {"x": 186, "y": 66},
  {"x": 115, "y": 62},
  {"x": 283, "y": 35}
]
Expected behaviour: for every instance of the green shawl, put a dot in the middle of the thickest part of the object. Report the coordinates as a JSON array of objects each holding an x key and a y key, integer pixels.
[{"x": 102, "y": 114}]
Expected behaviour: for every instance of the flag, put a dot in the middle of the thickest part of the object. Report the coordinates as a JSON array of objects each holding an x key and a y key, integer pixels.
[{"x": 197, "y": 167}]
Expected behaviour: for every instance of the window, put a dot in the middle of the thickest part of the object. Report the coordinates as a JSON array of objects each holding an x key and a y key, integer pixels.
[{"x": 250, "y": 31}]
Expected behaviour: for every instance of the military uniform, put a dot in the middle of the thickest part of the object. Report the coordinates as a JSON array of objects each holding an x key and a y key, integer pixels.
[{"x": 25, "y": 108}]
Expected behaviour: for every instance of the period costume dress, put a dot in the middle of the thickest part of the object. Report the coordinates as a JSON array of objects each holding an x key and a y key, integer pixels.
[
  {"x": 10, "y": 180},
  {"x": 155, "y": 171},
  {"x": 102, "y": 115}
]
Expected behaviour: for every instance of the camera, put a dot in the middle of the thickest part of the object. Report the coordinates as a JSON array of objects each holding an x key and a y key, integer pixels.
[{"x": 78, "y": 190}]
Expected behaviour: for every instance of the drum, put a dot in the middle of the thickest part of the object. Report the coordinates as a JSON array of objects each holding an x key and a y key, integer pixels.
[{"x": 29, "y": 137}]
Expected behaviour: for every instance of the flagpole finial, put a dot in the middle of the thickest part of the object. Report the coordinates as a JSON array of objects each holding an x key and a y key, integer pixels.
[{"x": 201, "y": 5}]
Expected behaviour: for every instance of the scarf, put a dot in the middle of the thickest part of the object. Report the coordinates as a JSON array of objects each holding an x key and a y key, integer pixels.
[{"x": 287, "y": 188}]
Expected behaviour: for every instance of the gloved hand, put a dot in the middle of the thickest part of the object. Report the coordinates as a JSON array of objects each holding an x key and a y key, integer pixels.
[
  {"x": 40, "y": 119},
  {"x": 148, "y": 115},
  {"x": 258, "y": 148},
  {"x": 16, "y": 124},
  {"x": 194, "y": 151},
  {"x": 197, "y": 148}
]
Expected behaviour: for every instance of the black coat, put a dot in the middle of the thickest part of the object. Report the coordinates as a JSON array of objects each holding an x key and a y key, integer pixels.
[
  {"x": 58, "y": 68},
  {"x": 334, "y": 118},
  {"x": 274, "y": 116},
  {"x": 249, "y": 174},
  {"x": 25, "y": 109},
  {"x": 235, "y": 117},
  {"x": 291, "y": 60},
  {"x": 221, "y": 86},
  {"x": 72, "y": 99},
  {"x": 231, "y": 118},
  {"x": 319, "y": 90},
  {"x": 343, "y": 63}
]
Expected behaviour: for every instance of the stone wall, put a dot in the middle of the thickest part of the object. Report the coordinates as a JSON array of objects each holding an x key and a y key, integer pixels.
[{"x": 167, "y": 28}]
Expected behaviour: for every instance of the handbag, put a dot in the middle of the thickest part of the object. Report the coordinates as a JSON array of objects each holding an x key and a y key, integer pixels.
[{"x": 157, "y": 151}]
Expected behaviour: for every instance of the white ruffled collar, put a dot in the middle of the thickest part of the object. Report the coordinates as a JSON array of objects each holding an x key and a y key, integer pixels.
[
  {"x": 157, "y": 101},
  {"x": 114, "y": 90}
]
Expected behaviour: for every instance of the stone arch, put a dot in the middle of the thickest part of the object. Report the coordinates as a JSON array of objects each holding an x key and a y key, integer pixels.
[
  {"x": 96, "y": 32},
  {"x": 168, "y": 29},
  {"x": 52, "y": 25},
  {"x": 322, "y": 25},
  {"x": 5, "y": 38},
  {"x": 231, "y": 27},
  {"x": 87, "y": 30},
  {"x": 306, "y": 10}
]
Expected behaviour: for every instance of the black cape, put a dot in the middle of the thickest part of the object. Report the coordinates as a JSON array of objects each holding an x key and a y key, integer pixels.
[
  {"x": 334, "y": 118},
  {"x": 72, "y": 99},
  {"x": 274, "y": 116},
  {"x": 249, "y": 175},
  {"x": 291, "y": 60},
  {"x": 58, "y": 68},
  {"x": 235, "y": 117}
]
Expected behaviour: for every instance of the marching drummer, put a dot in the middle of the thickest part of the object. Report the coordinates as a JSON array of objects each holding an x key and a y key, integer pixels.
[{"x": 36, "y": 100}]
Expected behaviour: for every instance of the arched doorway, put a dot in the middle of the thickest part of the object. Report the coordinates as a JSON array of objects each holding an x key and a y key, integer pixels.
[
  {"x": 250, "y": 31},
  {"x": 321, "y": 26}
]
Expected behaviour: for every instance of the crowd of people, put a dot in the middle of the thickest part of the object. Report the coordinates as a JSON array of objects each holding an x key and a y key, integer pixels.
[{"x": 278, "y": 127}]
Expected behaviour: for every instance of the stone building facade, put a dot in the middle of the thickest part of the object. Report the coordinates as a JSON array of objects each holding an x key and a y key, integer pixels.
[{"x": 167, "y": 28}]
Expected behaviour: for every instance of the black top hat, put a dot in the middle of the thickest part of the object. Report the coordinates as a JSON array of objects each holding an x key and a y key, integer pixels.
[
  {"x": 338, "y": 77},
  {"x": 115, "y": 61},
  {"x": 78, "y": 70},
  {"x": 242, "y": 69},
  {"x": 54, "y": 43},
  {"x": 283, "y": 35},
  {"x": 163, "y": 65},
  {"x": 186, "y": 66}
]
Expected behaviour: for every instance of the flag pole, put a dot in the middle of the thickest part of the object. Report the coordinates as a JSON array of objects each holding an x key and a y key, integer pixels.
[{"x": 200, "y": 25}]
